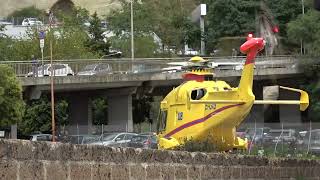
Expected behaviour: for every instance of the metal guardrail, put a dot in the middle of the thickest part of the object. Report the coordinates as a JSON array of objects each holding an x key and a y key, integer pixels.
[{"x": 126, "y": 65}]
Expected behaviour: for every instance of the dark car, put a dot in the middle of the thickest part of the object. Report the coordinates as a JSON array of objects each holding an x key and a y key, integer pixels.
[
  {"x": 82, "y": 139},
  {"x": 143, "y": 141},
  {"x": 312, "y": 141},
  {"x": 256, "y": 135},
  {"x": 286, "y": 136}
]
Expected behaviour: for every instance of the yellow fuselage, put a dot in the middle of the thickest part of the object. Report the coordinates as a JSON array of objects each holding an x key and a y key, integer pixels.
[
  {"x": 203, "y": 109},
  {"x": 186, "y": 119}
]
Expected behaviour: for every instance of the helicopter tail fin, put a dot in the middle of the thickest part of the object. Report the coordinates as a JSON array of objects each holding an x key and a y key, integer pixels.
[{"x": 251, "y": 47}]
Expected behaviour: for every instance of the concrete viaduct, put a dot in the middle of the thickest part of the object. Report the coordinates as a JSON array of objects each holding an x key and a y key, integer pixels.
[{"x": 119, "y": 88}]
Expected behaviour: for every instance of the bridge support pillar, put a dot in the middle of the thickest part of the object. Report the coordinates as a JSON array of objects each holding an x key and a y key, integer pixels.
[
  {"x": 271, "y": 112},
  {"x": 120, "y": 110},
  {"x": 290, "y": 114},
  {"x": 256, "y": 115},
  {"x": 80, "y": 107}
]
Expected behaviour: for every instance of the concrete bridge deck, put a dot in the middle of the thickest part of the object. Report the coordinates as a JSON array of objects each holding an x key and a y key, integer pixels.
[{"x": 68, "y": 83}]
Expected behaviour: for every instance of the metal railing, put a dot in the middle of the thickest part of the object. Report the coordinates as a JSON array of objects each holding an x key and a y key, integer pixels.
[{"x": 126, "y": 65}]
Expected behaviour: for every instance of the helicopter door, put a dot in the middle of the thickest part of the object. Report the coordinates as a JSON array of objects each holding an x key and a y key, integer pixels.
[{"x": 162, "y": 120}]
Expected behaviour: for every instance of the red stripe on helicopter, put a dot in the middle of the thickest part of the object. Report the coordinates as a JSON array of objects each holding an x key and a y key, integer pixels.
[{"x": 195, "y": 122}]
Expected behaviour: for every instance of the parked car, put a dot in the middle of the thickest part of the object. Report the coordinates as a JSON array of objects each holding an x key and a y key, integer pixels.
[
  {"x": 314, "y": 146},
  {"x": 31, "y": 22},
  {"x": 113, "y": 53},
  {"x": 41, "y": 137},
  {"x": 94, "y": 69},
  {"x": 45, "y": 70},
  {"x": 189, "y": 52},
  {"x": 143, "y": 141},
  {"x": 256, "y": 135},
  {"x": 4, "y": 23},
  {"x": 114, "y": 139},
  {"x": 171, "y": 69},
  {"x": 286, "y": 136},
  {"x": 104, "y": 24},
  {"x": 82, "y": 139}
]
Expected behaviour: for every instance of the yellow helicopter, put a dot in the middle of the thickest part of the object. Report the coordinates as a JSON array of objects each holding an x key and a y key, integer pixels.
[{"x": 201, "y": 107}]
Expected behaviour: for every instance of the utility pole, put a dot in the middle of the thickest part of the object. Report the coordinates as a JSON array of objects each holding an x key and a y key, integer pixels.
[
  {"x": 52, "y": 98},
  {"x": 53, "y": 123},
  {"x": 132, "y": 39},
  {"x": 301, "y": 40}
]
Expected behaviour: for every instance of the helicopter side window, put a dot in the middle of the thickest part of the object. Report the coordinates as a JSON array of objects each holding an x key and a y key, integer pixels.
[
  {"x": 198, "y": 94},
  {"x": 208, "y": 77}
]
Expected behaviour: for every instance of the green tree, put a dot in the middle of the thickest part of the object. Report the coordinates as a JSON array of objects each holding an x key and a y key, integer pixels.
[
  {"x": 229, "y": 18},
  {"x": 166, "y": 18},
  {"x": 97, "y": 42},
  {"x": 141, "y": 109},
  {"x": 100, "y": 116},
  {"x": 144, "y": 45},
  {"x": 38, "y": 115},
  {"x": 283, "y": 12},
  {"x": 76, "y": 18},
  {"x": 11, "y": 102},
  {"x": 306, "y": 28}
]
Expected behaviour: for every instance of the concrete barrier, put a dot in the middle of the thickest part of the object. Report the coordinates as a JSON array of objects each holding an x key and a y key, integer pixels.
[{"x": 42, "y": 160}]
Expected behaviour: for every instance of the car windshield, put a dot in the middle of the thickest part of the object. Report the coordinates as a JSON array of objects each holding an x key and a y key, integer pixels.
[
  {"x": 278, "y": 133},
  {"x": 315, "y": 135},
  {"x": 256, "y": 132},
  {"x": 139, "y": 138},
  {"x": 108, "y": 137},
  {"x": 90, "y": 67},
  {"x": 154, "y": 139},
  {"x": 76, "y": 139},
  {"x": 89, "y": 139},
  {"x": 32, "y": 19},
  {"x": 43, "y": 67}
]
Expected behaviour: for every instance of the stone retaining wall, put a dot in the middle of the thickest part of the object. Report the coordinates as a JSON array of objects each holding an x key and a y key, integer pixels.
[{"x": 39, "y": 160}]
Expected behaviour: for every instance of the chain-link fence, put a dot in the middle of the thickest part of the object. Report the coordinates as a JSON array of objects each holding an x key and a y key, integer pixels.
[
  {"x": 290, "y": 140},
  {"x": 281, "y": 139},
  {"x": 98, "y": 130}
]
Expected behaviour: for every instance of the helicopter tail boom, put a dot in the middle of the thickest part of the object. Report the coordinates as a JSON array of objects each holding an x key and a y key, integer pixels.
[{"x": 251, "y": 47}]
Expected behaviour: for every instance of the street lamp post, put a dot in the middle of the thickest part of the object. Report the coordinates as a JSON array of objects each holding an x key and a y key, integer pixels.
[
  {"x": 203, "y": 12},
  {"x": 132, "y": 40}
]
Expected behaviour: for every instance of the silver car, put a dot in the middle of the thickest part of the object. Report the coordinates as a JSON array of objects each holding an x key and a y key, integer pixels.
[
  {"x": 114, "y": 139},
  {"x": 41, "y": 137},
  {"x": 94, "y": 69},
  {"x": 45, "y": 70},
  {"x": 311, "y": 140},
  {"x": 31, "y": 22}
]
